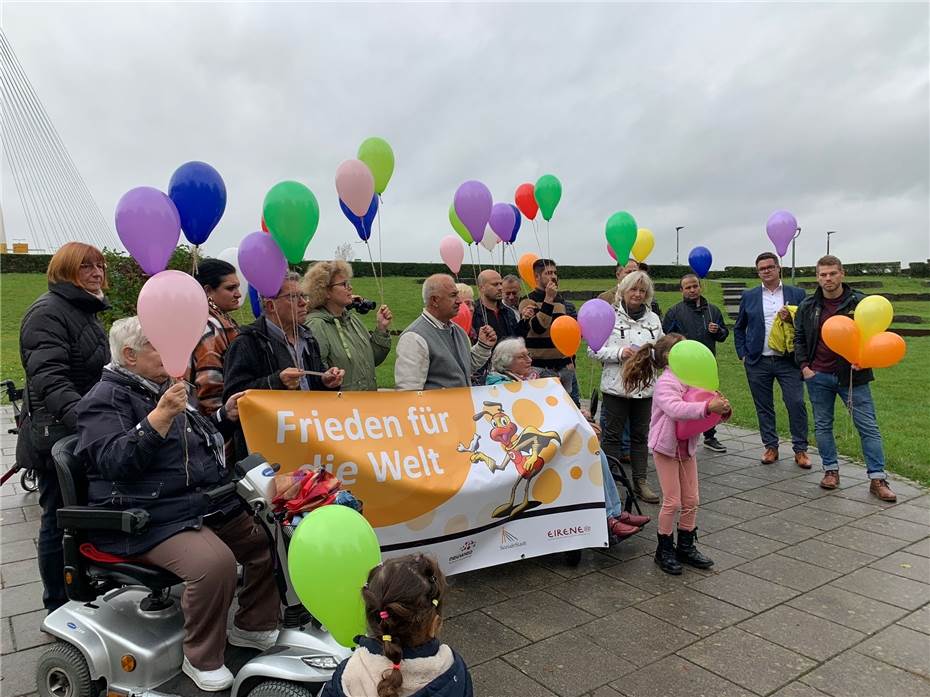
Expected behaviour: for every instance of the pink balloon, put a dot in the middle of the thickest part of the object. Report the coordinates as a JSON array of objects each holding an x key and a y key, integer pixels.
[
  {"x": 452, "y": 252},
  {"x": 610, "y": 251},
  {"x": 355, "y": 186},
  {"x": 597, "y": 319},
  {"x": 692, "y": 427},
  {"x": 173, "y": 311},
  {"x": 781, "y": 228}
]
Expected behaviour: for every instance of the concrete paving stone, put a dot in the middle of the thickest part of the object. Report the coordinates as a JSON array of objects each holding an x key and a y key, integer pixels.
[
  {"x": 789, "y": 572},
  {"x": 27, "y": 630},
  {"x": 745, "y": 591},
  {"x": 642, "y": 543},
  {"x": 723, "y": 560},
  {"x": 921, "y": 548},
  {"x": 636, "y": 636},
  {"x": 779, "y": 529},
  {"x": 772, "y": 473},
  {"x": 848, "y": 609},
  {"x": 884, "y": 524},
  {"x": 713, "y": 492},
  {"x": 919, "y": 620},
  {"x": 811, "y": 517},
  {"x": 829, "y": 556},
  {"x": 860, "y": 492},
  {"x": 17, "y": 551},
  {"x": 17, "y": 501},
  {"x": 591, "y": 560},
  {"x": 466, "y": 593},
  {"x": 901, "y": 647},
  {"x": 910, "y": 566},
  {"x": 33, "y": 512},
  {"x": 21, "y": 599},
  {"x": 853, "y": 675},
  {"x": 12, "y": 515},
  {"x": 742, "y": 543},
  {"x": 19, "y": 672},
  {"x": 738, "y": 480},
  {"x": 479, "y": 638},
  {"x": 748, "y": 660},
  {"x": 843, "y": 506},
  {"x": 499, "y": 679},
  {"x": 569, "y": 664},
  {"x": 599, "y": 594},
  {"x": 800, "y": 487},
  {"x": 889, "y": 588},
  {"x": 20, "y": 531},
  {"x": 518, "y": 577},
  {"x": 849, "y": 477},
  {"x": 674, "y": 675},
  {"x": 772, "y": 498},
  {"x": 802, "y": 632},
  {"x": 910, "y": 513},
  {"x": 693, "y": 611},
  {"x": 19, "y": 572},
  {"x": 6, "y": 636},
  {"x": 738, "y": 508},
  {"x": 538, "y": 615},
  {"x": 798, "y": 689},
  {"x": 711, "y": 521},
  {"x": 862, "y": 540},
  {"x": 711, "y": 468},
  {"x": 604, "y": 691},
  {"x": 643, "y": 573}
]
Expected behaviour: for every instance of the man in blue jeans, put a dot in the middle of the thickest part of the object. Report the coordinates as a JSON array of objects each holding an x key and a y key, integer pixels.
[
  {"x": 758, "y": 309},
  {"x": 829, "y": 376}
]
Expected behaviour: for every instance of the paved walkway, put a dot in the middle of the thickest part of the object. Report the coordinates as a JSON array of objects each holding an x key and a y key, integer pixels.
[{"x": 814, "y": 593}]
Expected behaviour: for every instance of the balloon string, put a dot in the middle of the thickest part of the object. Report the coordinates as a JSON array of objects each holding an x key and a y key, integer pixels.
[
  {"x": 194, "y": 260},
  {"x": 484, "y": 312},
  {"x": 548, "y": 241},
  {"x": 517, "y": 265},
  {"x": 536, "y": 235},
  {"x": 380, "y": 254},
  {"x": 374, "y": 272},
  {"x": 849, "y": 402},
  {"x": 591, "y": 383}
]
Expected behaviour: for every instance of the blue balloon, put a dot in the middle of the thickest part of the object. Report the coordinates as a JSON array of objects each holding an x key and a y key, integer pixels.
[
  {"x": 362, "y": 225},
  {"x": 255, "y": 302},
  {"x": 199, "y": 194},
  {"x": 700, "y": 260},
  {"x": 517, "y": 217}
]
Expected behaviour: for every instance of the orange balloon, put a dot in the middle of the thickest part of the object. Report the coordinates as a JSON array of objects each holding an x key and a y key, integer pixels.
[
  {"x": 525, "y": 267},
  {"x": 841, "y": 335},
  {"x": 566, "y": 335},
  {"x": 882, "y": 351}
]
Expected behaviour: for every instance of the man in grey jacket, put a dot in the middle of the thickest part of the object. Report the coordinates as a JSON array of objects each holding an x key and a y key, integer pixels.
[{"x": 434, "y": 352}]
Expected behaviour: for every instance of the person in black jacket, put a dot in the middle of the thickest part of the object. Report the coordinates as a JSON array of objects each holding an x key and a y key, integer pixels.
[
  {"x": 63, "y": 349},
  {"x": 147, "y": 445},
  {"x": 277, "y": 352},
  {"x": 697, "y": 319},
  {"x": 490, "y": 310},
  {"x": 828, "y": 376}
]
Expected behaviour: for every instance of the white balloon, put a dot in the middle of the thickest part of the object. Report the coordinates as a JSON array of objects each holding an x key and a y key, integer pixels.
[
  {"x": 231, "y": 255},
  {"x": 490, "y": 240}
]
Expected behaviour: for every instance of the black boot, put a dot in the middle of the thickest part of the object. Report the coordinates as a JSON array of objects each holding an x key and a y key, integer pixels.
[
  {"x": 688, "y": 553},
  {"x": 665, "y": 555}
]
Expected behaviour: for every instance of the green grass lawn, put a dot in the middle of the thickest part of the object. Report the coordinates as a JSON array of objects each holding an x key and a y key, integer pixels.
[{"x": 901, "y": 392}]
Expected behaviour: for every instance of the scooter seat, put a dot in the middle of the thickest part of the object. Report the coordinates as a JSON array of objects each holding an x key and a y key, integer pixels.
[{"x": 126, "y": 571}]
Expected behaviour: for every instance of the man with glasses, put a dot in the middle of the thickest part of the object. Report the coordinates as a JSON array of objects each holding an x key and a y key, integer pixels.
[
  {"x": 277, "y": 352},
  {"x": 758, "y": 309}
]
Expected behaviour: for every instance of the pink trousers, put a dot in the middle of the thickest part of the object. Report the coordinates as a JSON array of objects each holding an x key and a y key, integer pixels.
[{"x": 679, "y": 482}]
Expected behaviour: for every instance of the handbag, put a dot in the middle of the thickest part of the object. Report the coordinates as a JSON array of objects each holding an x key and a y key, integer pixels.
[
  {"x": 305, "y": 490},
  {"x": 44, "y": 429}
]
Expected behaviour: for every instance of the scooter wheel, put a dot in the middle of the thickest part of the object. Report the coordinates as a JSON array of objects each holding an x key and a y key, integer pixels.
[
  {"x": 62, "y": 672},
  {"x": 281, "y": 688},
  {"x": 28, "y": 481}
]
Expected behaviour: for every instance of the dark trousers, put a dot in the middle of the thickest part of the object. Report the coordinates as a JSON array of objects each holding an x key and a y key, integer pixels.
[
  {"x": 51, "y": 559},
  {"x": 762, "y": 376},
  {"x": 710, "y": 433},
  {"x": 620, "y": 411}
]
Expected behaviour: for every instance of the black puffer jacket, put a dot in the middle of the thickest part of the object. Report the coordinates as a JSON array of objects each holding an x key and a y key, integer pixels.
[
  {"x": 691, "y": 317},
  {"x": 63, "y": 348}
]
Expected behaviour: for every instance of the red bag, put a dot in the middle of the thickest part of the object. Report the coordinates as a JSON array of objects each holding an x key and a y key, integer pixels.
[{"x": 305, "y": 490}]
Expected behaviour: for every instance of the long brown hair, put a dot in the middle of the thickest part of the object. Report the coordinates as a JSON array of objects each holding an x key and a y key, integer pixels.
[
  {"x": 640, "y": 371},
  {"x": 403, "y": 598}
]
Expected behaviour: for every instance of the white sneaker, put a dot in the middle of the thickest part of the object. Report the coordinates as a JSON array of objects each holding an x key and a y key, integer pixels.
[
  {"x": 260, "y": 640},
  {"x": 208, "y": 680}
]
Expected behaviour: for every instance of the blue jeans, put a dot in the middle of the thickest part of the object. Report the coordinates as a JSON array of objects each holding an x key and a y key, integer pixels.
[
  {"x": 611, "y": 495},
  {"x": 823, "y": 389},
  {"x": 762, "y": 376}
]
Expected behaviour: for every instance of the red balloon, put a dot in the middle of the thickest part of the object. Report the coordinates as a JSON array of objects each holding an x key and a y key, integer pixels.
[
  {"x": 525, "y": 198},
  {"x": 463, "y": 318},
  {"x": 264, "y": 227}
]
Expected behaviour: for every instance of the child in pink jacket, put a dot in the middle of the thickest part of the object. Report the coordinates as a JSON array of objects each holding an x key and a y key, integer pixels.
[{"x": 674, "y": 458}]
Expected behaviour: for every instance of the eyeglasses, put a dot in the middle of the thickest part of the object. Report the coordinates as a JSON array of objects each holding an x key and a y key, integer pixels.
[
  {"x": 87, "y": 266},
  {"x": 292, "y": 297},
  {"x": 345, "y": 284},
  {"x": 763, "y": 269}
]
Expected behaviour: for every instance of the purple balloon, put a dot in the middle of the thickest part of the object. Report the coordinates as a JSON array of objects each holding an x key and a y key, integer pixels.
[
  {"x": 781, "y": 228},
  {"x": 473, "y": 207},
  {"x": 597, "y": 319},
  {"x": 262, "y": 263},
  {"x": 501, "y": 221},
  {"x": 149, "y": 226}
]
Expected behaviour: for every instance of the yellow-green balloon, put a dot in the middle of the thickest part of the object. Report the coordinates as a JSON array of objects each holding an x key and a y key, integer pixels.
[
  {"x": 694, "y": 364},
  {"x": 329, "y": 558},
  {"x": 377, "y": 154},
  {"x": 459, "y": 226}
]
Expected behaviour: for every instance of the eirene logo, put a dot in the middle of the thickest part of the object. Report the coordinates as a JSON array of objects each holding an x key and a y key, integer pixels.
[
  {"x": 464, "y": 552},
  {"x": 510, "y": 541},
  {"x": 571, "y": 531}
]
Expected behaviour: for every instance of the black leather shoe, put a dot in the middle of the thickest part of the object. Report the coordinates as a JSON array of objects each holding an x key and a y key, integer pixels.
[
  {"x": 687, "y": 552},
  {"x": 665, "y": 555}
]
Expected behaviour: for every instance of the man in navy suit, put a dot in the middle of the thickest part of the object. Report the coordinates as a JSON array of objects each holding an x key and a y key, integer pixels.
[{"x": 758, "y": 309}]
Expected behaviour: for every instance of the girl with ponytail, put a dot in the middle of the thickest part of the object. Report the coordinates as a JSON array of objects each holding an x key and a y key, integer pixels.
[{"x": 402, "y": 656}]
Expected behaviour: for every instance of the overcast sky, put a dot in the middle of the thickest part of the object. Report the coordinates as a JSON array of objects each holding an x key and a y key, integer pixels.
[{"x": 704, "y": 115}]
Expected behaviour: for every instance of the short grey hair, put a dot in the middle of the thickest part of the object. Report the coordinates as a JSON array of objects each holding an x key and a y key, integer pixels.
[
  {"x": 126, "y": 332},
  {"x": 504, "y": 353},
  {"x": 431, "y": 285},
  {"x": 291, "y": 276},
  {"x": 637, "y": 278},
  {"x": 510, "y": 278}
]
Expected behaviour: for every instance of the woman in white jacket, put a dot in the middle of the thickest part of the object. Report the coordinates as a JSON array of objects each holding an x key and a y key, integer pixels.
[{"x": 636, "y": 325}]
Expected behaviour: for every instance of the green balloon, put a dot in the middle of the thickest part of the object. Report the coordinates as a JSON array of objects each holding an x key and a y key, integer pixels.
[
  {"x": 694, "y": 364},
  {"x": 621, "y": 235},
  {"x": 377, "y": 154},
  {"x": 548, "y": 192},
  {"x": 291, "y": 214},
  {"x": 459, "y": 226},
  {"x": 330, "y": 556}
]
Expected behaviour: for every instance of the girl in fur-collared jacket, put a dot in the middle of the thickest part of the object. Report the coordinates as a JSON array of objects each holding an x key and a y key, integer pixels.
[{"x": 402, "y": 657}]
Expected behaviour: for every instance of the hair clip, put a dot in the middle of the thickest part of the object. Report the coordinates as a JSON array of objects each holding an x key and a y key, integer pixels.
[
  {"x": 383, "y": 614},
  {"x": 436, "y": 602},
  {"x": 386, "y": 638},
  {"x": 395, "y": 666}
]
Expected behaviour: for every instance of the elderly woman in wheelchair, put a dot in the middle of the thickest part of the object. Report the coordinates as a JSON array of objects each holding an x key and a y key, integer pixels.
[{"x": 147, "y": 446}]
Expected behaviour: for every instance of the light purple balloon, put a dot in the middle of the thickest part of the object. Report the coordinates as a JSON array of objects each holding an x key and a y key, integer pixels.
[
  {"x": 781, "y": 228},
  {"x": 473, "y": 207},
  {"x": 502, "y": 221},
  {"x": 597, "y": 319},
  {"x": 262, "y": 263},
  {"x": 149, "y": 226}
]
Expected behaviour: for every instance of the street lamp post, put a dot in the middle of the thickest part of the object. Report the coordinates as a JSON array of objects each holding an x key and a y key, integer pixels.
[
  {"x": 793, "y": 242},
  {"x": 677, "y": 230},
  {"x": 829, "y": 232}
]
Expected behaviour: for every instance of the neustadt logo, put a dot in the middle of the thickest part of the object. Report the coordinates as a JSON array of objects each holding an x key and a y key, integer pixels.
[
  {"x": 510, "y": 541},
  {"x": 464, "y": 552},
  {"x": 571, "y": 531}
]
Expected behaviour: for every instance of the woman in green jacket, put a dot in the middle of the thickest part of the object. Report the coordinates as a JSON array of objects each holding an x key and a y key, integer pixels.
[{"x": 344, "y": 340}]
